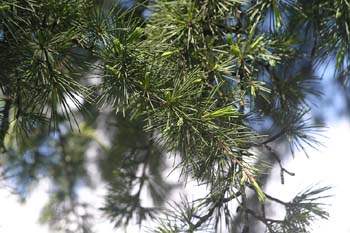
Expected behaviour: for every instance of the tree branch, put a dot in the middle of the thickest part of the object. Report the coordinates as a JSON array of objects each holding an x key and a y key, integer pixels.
[{"x": 222, "y": 200}]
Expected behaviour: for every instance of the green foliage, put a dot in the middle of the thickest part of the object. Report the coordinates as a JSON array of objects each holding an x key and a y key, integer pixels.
[
  {"x": 199, "y": 80},
  {"x": 40, "y": 58}
]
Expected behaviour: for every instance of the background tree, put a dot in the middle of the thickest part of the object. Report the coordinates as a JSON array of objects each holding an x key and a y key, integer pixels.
[{"x": 216, "y": 84}]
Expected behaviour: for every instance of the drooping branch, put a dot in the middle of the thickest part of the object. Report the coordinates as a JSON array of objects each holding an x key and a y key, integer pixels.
[{"x": 282, "y": 168}]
